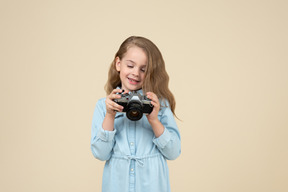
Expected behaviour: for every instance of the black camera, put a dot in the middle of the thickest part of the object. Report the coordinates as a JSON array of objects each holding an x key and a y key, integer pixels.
[{"x": 135, "y": 105}]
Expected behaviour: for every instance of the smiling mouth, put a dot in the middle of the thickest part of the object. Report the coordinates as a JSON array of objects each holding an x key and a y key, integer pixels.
[{"x": 133, "y": 81}]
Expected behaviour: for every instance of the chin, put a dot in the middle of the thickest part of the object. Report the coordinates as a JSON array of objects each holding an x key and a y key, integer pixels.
[{"x": 134, "y": 88}]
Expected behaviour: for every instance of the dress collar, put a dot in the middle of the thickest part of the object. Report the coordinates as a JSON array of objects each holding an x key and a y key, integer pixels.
[{"x": 138, "y": 91}]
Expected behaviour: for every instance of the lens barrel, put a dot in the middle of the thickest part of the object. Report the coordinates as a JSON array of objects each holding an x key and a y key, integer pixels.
[{"x": 134, "y": 111}]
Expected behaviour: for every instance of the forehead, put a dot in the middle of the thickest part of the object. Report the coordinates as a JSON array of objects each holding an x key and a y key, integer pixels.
[{"x": 136, "y": 55}]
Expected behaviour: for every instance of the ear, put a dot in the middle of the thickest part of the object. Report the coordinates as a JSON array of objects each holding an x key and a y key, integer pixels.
[{"x": 117, "y": 63}]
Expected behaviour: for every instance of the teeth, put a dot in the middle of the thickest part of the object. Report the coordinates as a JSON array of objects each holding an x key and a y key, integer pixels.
[{"x": 133, "y": 80}]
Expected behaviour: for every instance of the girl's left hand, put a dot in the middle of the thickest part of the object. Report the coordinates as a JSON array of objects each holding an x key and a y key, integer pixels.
[{"x": 153, "y": 116}]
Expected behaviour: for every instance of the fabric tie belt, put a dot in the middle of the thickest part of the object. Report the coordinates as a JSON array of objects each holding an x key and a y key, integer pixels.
[{"x": 139, "y": 160}]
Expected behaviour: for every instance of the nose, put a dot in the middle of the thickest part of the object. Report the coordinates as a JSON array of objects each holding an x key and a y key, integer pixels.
[{"x": 136, "y": 72}]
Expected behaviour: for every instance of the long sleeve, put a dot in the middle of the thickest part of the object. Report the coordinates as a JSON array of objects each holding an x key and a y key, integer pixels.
[
  {"x": 169, "y": 143},
  {"x": 102, "y": 141},
  {"x": 136, "y": 157}
]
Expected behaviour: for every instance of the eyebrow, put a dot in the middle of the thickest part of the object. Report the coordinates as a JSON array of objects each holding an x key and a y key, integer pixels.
[{"x": 131, "y": 61}]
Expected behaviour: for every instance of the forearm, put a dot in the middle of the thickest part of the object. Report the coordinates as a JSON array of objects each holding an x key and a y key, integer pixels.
[
  {"x": 169, "y": 144},
  {"x": 104, "y": 141},
  {"x": 102, "y": 144},
  {"x": 157, "y": 127},
  {"x": 102, "y": 133},
  {"x": 167, "y": 136},
  {"x": 108, "y": 122}
]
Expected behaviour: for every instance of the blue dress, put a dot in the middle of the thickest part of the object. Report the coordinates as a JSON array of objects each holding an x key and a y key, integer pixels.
[{"x": 135, "y": 158}]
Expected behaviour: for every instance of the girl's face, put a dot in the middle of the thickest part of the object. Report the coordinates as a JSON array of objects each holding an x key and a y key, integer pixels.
[{"x": 132, "y": 68}]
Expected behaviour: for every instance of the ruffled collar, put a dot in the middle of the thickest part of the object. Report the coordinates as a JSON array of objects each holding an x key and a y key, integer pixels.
[{"x": 138, "y": 91}]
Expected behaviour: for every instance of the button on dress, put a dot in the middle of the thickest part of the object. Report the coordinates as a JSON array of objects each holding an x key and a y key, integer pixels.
[{"x": 135, "y": 158}]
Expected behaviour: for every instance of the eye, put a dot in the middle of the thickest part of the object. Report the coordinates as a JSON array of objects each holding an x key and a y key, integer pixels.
[
  {"x": 143, "y": 69},
  {"x": 130, "y": 66}
]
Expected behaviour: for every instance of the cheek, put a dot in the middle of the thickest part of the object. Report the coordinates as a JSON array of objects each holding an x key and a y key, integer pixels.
[
  {"x": 123, "y": 72},
  {"x": 143, "y": 78},
  {"x": 143, "y": 75}
]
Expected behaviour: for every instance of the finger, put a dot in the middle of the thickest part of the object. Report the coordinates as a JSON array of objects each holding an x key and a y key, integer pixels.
[
  {"x": 114, "y": 96},
  {"x": 155, "y": 104},
  {"x": 149, "y": 94},
  {"x": 153, "y": 97},
  {"x": 125, "y": 91},
  {"x": 117, "y": 90},
  {"x": 114, "y": 106}
]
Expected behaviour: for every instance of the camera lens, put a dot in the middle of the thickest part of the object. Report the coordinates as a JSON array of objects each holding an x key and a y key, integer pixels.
[{"x": 134, "y": 111}]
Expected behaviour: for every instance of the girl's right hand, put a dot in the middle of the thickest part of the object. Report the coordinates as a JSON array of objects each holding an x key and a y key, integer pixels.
[{"x": 111, "y": 106}]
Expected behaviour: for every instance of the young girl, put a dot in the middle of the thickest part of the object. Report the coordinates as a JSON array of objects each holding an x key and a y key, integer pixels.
[{"x": 136, "y": 151}]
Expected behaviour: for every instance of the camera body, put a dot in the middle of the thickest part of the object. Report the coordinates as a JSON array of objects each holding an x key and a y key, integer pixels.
[{"x": 135, "y": 105}]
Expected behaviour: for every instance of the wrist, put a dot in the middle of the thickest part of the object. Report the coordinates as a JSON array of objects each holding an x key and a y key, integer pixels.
[
  {"x": 154, "y": 122},
  {"x": 110, "y": 115},
  {"x": 157, "y": 127},
  {"x": 108, "y": 123}
]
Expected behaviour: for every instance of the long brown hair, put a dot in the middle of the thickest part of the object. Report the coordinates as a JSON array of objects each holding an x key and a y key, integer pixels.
[{"x": 156, "y": 77}]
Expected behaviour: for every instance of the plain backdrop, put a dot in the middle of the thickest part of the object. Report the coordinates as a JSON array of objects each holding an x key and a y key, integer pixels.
[{"x": 228, "y": 68}]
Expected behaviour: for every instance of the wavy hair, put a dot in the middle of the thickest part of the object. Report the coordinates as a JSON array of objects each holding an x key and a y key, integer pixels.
[{"x": 156, "y": 78}]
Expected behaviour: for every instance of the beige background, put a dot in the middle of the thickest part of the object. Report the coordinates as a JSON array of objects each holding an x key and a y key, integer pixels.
[{"x": 228, "y": 65}]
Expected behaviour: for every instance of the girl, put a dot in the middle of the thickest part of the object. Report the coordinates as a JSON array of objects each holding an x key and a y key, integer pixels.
[{"x": 136, "y": 151}]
